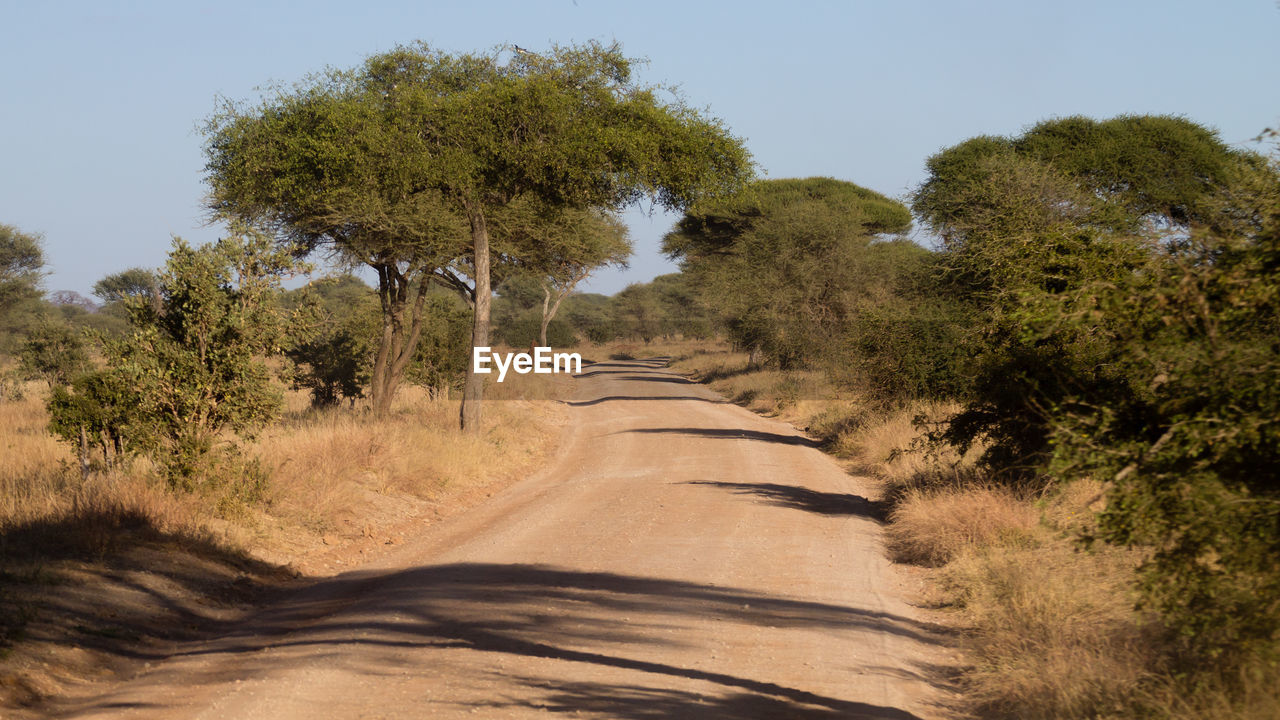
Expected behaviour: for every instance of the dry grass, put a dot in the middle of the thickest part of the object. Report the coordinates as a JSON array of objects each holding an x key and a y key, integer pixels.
[
  {"x": 1053, "y": 631},
  {"x": 333, "y": 469},
  {"x": 934, "y": 527},
  {"x": 1255, "y": 695},
  {"x": 329, "y": 469},
  {"x": 342, "y": 483},
  {"x": 805, "y": 398},
  {"x": 676, "y": 349},
  {"x": 1051, "y": 628},
  {"x": 40, "y": 478}
]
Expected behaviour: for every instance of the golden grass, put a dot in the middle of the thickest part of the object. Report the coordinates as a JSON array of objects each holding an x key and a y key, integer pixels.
[
  {"x": 328, "y": 466},
  {"x": 334, "y": 471},
  {"x": 1051, "y": 628},
  {"x": 34, "y": 470},
  {"x": 934, "y": 527},
  {"x": 1053, "y": 631}
]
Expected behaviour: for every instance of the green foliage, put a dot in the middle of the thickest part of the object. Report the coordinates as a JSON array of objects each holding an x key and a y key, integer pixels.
[
  {"x": 334, "y": 366},
  {"x": 639, "y": 312},
  {"x": 404, "y": 162},
  {"x": 338, "y": 165},
  {"x": 522, "y": 331},
  {"x": 684, "y": 312},
  {"x": 906, "y": 341},
  {"x": 131, "y": 283},
  {"x": 561, "y": 248},
  {"x": 784, "y": 263},
  {"x": 21, "y": 269},
  {"x": 591, "y": 316},
  {"x": 104, "y": 406},
  {"x": 191, "y": 372},
  {"x": 1119, "y": 296},
  {"x": 668, "y": 306},
  {"x": 1152, "y": 165},
  {"x": 54, "y": 352},
  {"x": 333, "y": 358},
  {"x": 1194, "y": 445},
  {"x": 21, "y": 266},
  {"x": 444, "y": 351},
  {"x": 1027, "y": 238},
  {"x": 556, "y": 251},
  {"x": 1139, "y": 166}
]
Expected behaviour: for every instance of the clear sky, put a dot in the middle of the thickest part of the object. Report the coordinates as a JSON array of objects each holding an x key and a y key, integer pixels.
[{"x": 101, "y": 101}]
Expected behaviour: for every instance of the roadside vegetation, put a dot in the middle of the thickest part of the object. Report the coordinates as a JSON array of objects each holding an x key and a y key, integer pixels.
[
  {"x": 1070, "y": 402},
  {"x": 213, "y": 442}
]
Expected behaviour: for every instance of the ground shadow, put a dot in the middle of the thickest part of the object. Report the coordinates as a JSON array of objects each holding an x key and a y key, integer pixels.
[
  {"x": 637, "y": 702},
  {"x": 613, "y": 398},
  {"x": 603, "y": 619},
  {"x": 673, "y": 379},
  {"x": 111, "y": 584},
  {"x": 801, "y": 498},
  {"x": 620, "y": 367},
  {"x": 734, "y": 434}
]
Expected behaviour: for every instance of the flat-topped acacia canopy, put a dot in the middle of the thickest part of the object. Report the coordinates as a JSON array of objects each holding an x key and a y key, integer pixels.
[{"x": 403, "y": 163}]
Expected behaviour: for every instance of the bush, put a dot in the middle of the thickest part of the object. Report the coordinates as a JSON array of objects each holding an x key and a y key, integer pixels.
[
  {"x": 191, "y": 371},
  {"x": 1108, "y": 348},
  {"x": 54, "y": 352}
]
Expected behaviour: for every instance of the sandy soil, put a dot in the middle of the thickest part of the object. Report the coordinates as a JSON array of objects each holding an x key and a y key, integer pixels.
[{"x": 679, "y": 558}]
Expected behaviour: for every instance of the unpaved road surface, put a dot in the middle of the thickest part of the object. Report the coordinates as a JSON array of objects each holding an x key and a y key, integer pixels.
[{"x": 681, "y": 558}]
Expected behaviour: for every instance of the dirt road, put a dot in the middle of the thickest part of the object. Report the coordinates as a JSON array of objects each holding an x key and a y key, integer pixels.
[{"x": 682, "y": 558}]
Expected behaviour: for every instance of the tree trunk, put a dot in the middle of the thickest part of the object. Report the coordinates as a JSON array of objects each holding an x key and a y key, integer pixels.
[
  {"x": 473, "y": 388},
  {"x": 84, "y": 454},
  {"x": 397, "y": 344},
  {"x": 549, "y": 313},
  {"x": 382, "y": 361},
  {"x": 546, "y": 316}
]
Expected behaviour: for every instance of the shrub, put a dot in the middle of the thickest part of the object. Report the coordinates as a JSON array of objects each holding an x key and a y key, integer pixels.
[{"x": 191, "y": 371}]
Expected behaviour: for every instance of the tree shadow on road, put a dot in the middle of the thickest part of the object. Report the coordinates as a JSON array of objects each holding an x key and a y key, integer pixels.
[
  {"x": 672, "y": 379},
  {"x": 621, "y": 367},
  {"x": 637, "y": 702},
  {"x": 802, "y": 498},
  {"x": 615, "y": 398},
  {"x": 733, "y": 434},
  {"x": 601, "y": 619}
]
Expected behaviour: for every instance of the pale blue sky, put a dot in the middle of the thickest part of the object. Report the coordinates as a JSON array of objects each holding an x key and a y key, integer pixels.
[{"x": 99, "y": 147}]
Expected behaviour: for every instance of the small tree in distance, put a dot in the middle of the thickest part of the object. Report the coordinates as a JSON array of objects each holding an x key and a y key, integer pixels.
[{"x": 563, "y": 250}]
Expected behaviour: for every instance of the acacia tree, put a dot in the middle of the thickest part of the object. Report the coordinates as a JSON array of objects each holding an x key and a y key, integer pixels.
[
  {"x": 1032, "y": 225},
  {"x": 332, "y": 167},
  {"x": 136, "y": 282},
  {"x": 21, "y": 269},
  {"x": 21, "y": 265},
  {"x": 423, "y": 138},
  {"x": 1142, "y": 167},
  {"x": 563, "y": 250},
  {"x": 780, "y": 261}
]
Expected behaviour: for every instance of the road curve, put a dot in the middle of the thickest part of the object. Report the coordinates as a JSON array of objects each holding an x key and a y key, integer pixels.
[{"x": 681, "y": 558}]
